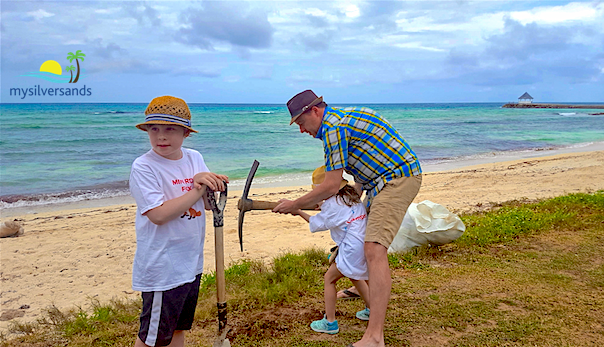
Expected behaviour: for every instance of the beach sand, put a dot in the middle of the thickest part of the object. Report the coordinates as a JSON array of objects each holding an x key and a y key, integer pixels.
[{"x": 71, "y": 256}]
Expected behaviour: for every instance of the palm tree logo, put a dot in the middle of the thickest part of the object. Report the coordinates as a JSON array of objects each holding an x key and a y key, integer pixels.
[
  {"x": 78, "y": 55},
  {"x": 70, "y": 68}
]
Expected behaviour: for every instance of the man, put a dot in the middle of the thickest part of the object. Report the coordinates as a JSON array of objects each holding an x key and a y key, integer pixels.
[{"x": 362, "y": 143}]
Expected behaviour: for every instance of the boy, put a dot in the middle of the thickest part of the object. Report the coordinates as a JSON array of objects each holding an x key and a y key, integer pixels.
[{"x": 168, "y": 183}]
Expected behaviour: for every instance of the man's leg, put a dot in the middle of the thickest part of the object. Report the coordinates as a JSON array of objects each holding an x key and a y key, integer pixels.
[
  {"x": 379, "y": 294},
  {"x": 384, "y": 220}
]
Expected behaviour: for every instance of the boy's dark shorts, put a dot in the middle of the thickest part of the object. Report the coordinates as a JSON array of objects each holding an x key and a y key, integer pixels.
[{"x": 168, "y": 311}]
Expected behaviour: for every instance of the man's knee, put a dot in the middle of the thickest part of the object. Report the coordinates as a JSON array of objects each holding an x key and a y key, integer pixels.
[{"x": 375, "y": 252}]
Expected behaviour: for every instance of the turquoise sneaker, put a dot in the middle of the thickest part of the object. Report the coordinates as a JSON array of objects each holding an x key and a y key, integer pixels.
[
  {"x": 364, "y": 314},
  {"x": 324, "y": 326}
]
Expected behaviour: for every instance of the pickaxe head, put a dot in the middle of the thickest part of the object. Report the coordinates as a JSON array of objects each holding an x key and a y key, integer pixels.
[{"x": 244, "y": 199}]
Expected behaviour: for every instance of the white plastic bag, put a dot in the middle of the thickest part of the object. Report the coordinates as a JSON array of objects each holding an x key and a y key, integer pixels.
[{"x": 426, "y": 222}]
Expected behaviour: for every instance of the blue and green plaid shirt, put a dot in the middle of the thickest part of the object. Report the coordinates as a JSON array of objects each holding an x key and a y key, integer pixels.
[{"x": 365, "y": 145}]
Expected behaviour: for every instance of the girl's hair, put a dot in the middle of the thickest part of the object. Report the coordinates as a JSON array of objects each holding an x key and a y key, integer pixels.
[{"x": 349, "y": 196}]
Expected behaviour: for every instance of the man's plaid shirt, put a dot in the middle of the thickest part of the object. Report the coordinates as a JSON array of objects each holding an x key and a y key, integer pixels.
[{"x": 365, "y": 145}]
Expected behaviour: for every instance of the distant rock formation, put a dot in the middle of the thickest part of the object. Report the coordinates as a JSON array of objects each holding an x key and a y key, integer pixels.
[{"x": 514, "y": 105}]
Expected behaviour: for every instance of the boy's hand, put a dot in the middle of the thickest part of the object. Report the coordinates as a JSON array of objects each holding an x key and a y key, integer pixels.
[{"x": 210, "y": 179}]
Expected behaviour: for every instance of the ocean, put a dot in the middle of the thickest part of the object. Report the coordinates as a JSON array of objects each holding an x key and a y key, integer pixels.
[{"x": 54, "y": 153}]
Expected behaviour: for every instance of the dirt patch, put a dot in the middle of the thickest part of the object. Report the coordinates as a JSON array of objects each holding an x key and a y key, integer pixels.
[{"x": 272, "y": 322}]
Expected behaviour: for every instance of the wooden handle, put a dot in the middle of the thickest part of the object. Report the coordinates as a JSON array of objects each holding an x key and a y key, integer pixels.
[
  {"x": 269, "y": 205},
  {"x": 219, "y": 250},
  {"x": 263, "y": 205}
]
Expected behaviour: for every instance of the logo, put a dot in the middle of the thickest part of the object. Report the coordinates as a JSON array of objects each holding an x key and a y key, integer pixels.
[
  {"x": 51, "y": 70},
  {"x": 192, "y": 213}
]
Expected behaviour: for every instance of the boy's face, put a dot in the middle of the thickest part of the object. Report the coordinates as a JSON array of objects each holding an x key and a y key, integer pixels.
[{"x": 166, "y": 140}]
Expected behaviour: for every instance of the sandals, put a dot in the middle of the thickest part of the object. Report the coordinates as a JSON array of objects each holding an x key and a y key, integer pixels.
[{"x": 347, "y": 295}]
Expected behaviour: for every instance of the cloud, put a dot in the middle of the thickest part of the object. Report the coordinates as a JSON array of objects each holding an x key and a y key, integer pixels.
[
  {"x": 316, "y": 21},
  {"x": 532, "y": 53},
  {"x": 226, "y": 22},
  {"x": 318, "y": 42},
  {"x": 198, "y": 72},
  {"x": 130, "y": 66},
  {"x": 142, "y": 12},
  {"x": 558, "y": 14},
  {"x": 39, "y": 14},
  {"x": 381, "y": 15},
  {"x": 108, "y": 51}
]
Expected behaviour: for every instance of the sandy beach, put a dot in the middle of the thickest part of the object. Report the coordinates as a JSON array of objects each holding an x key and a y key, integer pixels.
[{"x": 71, "y": 256}]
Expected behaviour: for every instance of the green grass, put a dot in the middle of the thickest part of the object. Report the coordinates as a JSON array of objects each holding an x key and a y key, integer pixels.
[{"x": 523, "y": 274}]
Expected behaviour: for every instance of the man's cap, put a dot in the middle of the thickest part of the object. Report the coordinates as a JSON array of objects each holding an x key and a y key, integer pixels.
[
  {"x": 167, "y": 110},
  {"x": 301, "y": 103},
  {"x": 318, "y": 176}
]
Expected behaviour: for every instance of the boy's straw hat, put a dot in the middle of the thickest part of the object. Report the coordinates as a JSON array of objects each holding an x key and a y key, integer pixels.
[
  {"x": 167, "y": 110},
  {"x": 318, "y": 176}
]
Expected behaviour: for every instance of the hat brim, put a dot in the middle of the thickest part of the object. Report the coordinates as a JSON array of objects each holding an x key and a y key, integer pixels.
[
  {"x": 342, "y": 184},
  {"x": 306, "y": 108},
  {"x": 163, "y": 122}
]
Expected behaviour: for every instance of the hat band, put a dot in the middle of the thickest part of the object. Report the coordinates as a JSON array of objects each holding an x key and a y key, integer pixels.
[{"x": 168, "y": 118}]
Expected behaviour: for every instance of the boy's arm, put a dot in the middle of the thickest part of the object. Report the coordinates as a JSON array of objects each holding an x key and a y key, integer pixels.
[{"x": 174, "y": 208}]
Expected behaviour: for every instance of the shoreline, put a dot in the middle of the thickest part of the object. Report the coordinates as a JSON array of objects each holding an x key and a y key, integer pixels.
[
  {"x": 70, "y": 256},
  {"x": 297, "y": 180}
]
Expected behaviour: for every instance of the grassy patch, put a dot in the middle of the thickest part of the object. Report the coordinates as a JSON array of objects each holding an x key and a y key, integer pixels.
[{"x": 521, "y": 275}]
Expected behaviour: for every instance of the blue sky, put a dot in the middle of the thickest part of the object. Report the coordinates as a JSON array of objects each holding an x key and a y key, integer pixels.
[{"x": 347, "y": 51}]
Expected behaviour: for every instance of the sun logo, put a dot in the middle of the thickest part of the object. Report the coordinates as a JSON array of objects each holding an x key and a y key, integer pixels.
[{"x": 51, "y": 71}]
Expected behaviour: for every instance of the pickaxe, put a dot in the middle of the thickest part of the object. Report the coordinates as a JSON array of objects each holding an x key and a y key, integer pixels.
[{"x": 246, "y": 204}]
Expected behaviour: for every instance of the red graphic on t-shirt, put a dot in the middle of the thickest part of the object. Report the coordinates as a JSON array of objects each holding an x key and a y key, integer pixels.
[
  {"x": 187, "y": 184},
  {"x": 361, "y": 217},
  {"x": 191, "y": 213}
]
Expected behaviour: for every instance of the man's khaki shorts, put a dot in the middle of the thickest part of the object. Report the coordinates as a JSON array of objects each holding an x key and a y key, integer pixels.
[{"x": 388, "y": 209}]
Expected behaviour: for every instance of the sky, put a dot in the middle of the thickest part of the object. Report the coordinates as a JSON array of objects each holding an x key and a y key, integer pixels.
[{"x": 267, "y": 51}]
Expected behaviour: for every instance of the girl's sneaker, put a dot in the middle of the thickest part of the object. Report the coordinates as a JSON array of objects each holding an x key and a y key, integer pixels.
[
  {"x": 324, "y": 326},
  {"x": 364, "y": 314}
]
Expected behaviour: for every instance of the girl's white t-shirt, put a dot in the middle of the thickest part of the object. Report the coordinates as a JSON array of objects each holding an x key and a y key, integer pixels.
[
  {"x": 171, "y": 254},
  {"x": 347, "y": 226}
]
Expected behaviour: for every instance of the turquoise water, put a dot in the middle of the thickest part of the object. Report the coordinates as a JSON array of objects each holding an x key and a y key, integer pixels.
[{"x": 61, "y": 152}]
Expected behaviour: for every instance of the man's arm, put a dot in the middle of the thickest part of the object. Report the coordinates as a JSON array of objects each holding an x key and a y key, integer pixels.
[{"x": 328, "y": 188}]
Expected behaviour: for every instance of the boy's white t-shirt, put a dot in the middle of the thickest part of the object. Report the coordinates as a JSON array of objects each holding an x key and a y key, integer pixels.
[
  {"x": 171, "y": 254},
  {"x": 347, "y": 226}
]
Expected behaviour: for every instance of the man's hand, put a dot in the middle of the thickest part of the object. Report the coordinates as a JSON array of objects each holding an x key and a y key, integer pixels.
[
  {"x": 286, "y": 206},
  {"x": 210, "y": 179}
]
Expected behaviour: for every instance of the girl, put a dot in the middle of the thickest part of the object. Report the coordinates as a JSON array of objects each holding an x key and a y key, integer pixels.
[{"x": 346, "y": 218}]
